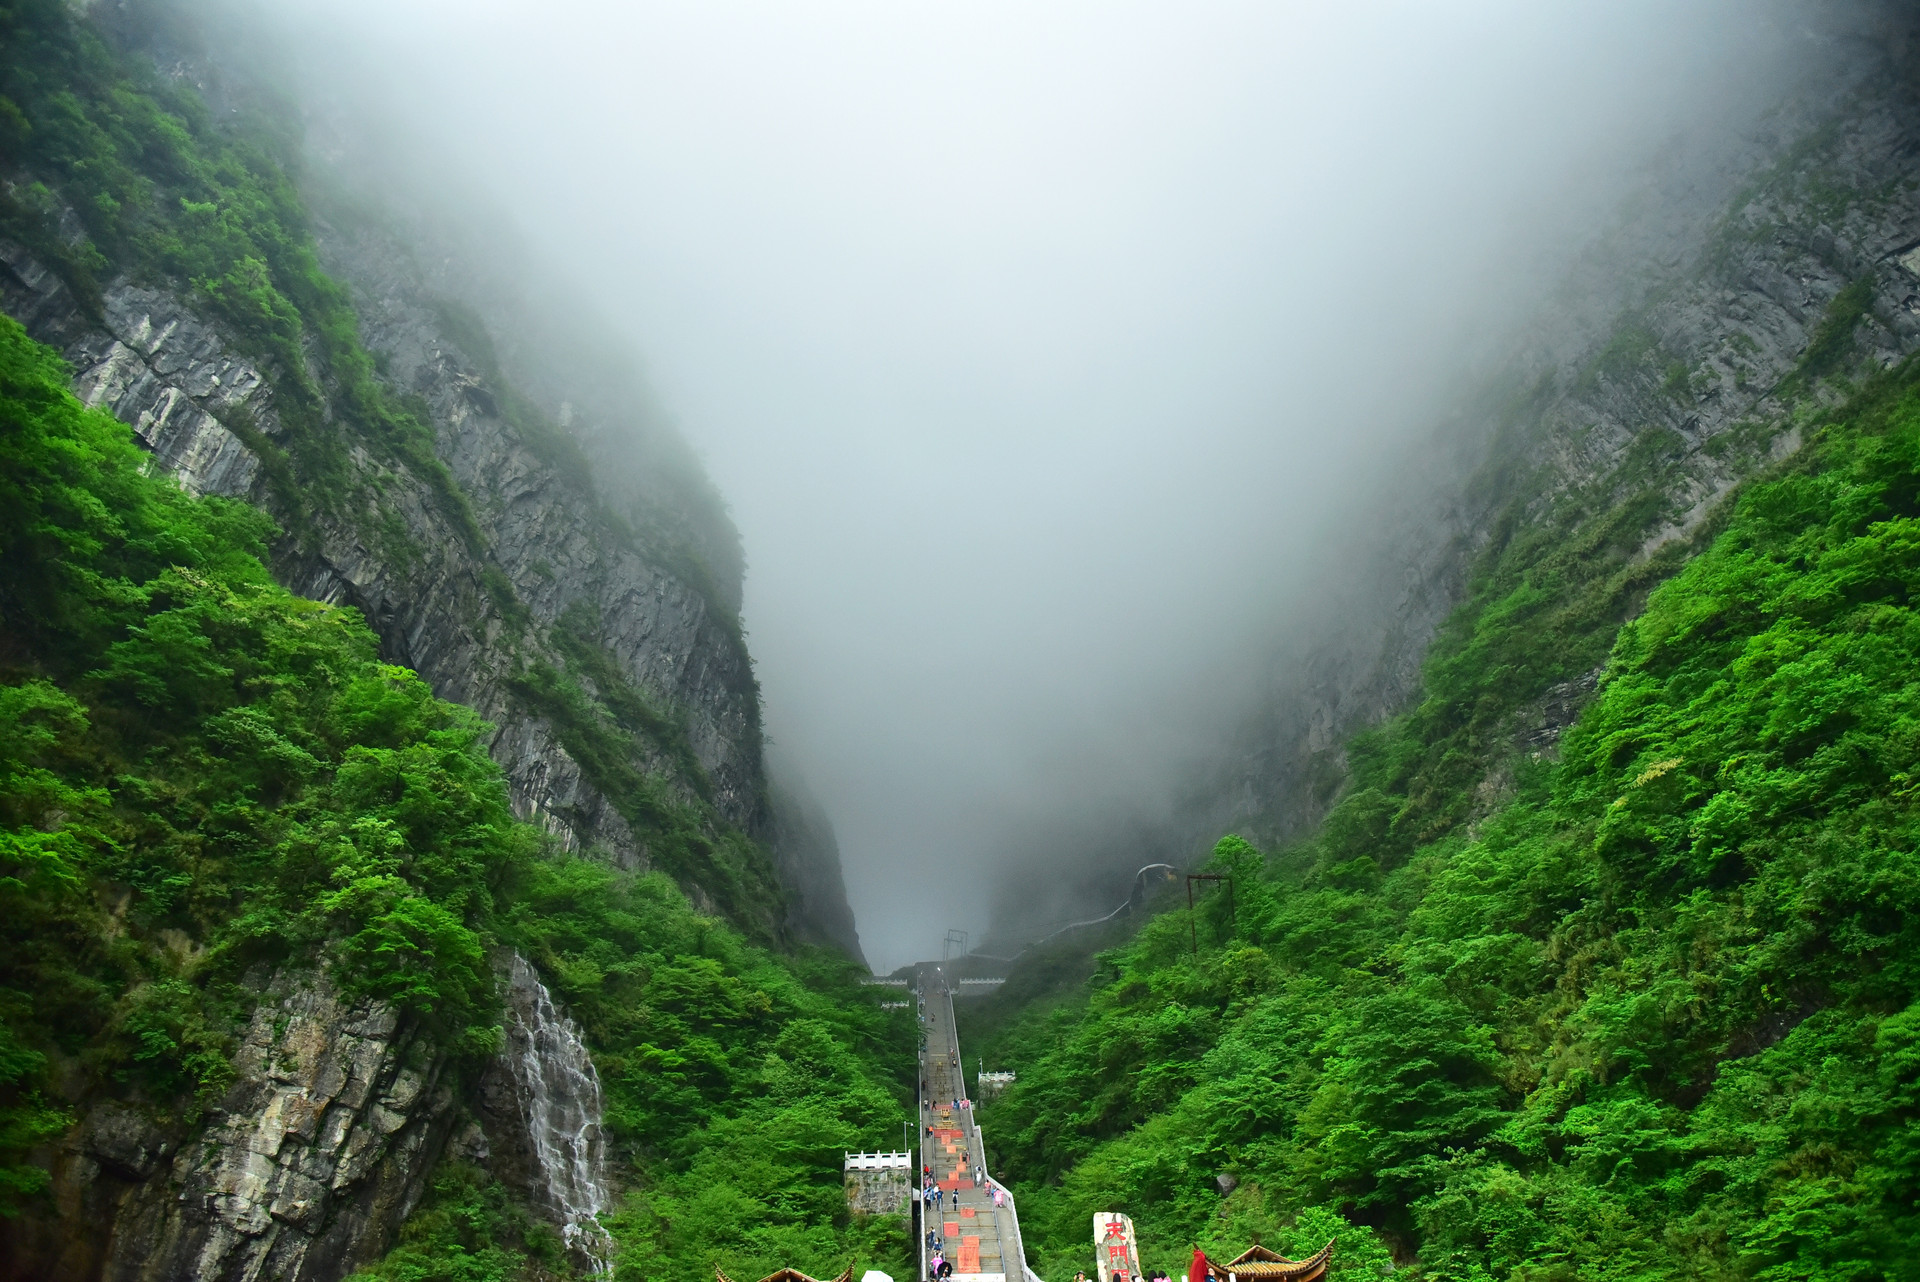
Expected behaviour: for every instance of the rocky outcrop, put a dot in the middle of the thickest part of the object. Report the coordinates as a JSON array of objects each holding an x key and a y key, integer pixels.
[
  {"x": 550, "y": 529},
  {"x": 807, "y": 854},
  {"x": 327, "y": 1138},
  {"x": 435, "y": 600},
  {"x": 303, "y": 1171},
  {"x": 1689, "y": 332}
]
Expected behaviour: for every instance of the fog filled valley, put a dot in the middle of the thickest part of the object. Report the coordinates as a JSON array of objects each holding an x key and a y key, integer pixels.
[{"x": 603, "y": 607}]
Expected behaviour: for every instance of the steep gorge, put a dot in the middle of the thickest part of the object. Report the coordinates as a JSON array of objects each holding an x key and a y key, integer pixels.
[
  {"x": 1747, "y": 282},
  {"x": 1578, "y": 946},
  {"x": 1746, "y": 289}
]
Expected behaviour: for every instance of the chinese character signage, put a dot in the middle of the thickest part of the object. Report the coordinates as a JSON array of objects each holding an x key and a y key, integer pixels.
[{"x": 1115, "y": 1254}]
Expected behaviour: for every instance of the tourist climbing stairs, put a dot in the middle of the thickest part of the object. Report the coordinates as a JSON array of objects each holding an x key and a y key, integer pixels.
[{"x": 974, "y": 1230}]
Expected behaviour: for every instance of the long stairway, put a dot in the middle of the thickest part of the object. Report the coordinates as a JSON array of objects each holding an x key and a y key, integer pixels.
[{"x": 980, "y": 1240}]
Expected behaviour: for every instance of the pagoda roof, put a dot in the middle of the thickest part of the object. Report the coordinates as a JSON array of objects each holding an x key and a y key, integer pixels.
[
  {"x": 790, "y": 1275},
  {"x": 1258, "y": 1264},
  {"x": 1257, "y": 1254}
]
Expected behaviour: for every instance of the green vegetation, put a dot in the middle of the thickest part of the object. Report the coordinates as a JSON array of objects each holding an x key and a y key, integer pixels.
[
  {"x": 734, "y": 1079},
  {"x": 1658, "y": 1017},
  {"x": 1655, "y": 1016},
  {"x": 189, "y": 748},
  {"x": 159, "y": 190},
  {"x": 469, "y": 1229},
  {"x": 1832, "y": 340},
  {"x": 135, "y": 177},
  {"x": 204, "y": 779},
  {"x": 163, "y": 193},
  {"x": 1630, "y": 353},
  {"x": 610, "y": 728},
  {"x": 1542, "y": 606}
]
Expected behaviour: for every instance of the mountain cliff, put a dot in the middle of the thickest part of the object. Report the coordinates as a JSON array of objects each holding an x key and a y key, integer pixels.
[
  {"x": 1749, "y": 279},
  {"x": 1577, "y": 945},
  {"x": 808, "y": 855},
  {"x": 394, "y": 708},
  {"x": 1745, "y": 281},
  {"x": 415, "y": 483}
]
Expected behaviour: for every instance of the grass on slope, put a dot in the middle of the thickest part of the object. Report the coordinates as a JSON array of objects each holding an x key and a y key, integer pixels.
[{"x": 1655, "y": 1019}]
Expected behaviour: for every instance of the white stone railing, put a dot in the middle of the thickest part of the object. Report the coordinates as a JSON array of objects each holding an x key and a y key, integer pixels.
[{"x": 878, "y": 1161}]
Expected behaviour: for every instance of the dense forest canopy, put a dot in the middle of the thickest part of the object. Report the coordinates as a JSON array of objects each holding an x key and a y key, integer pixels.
[{"x": 1655, "y": 1017}]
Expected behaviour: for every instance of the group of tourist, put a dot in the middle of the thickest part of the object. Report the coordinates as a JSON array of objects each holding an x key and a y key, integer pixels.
[
  {"x": 1155, "y": 1275},
  {"x": 930, "y": 1193}
]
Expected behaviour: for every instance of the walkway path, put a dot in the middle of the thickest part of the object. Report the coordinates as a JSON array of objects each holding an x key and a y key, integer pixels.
[{"x": 981, "y": 1241}]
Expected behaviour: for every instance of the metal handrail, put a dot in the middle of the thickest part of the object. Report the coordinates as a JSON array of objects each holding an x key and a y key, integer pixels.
[
  {"x": 1138, "y": 883},
  {"x": 919, "y": 1133},
  {"x": 977, "y": 1148},
  {"x": 1013, "y": 1210}
]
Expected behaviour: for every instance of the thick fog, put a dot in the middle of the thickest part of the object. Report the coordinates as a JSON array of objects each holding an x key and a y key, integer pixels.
[{"x": 1039, "y": 349}]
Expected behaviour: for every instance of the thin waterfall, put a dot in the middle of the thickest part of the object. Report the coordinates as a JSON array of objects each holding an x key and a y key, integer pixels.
[{"x": 561, "y": 1101}]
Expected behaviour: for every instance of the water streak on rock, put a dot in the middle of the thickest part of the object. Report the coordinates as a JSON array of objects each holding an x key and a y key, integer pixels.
[{"x": 559, "y": 1094}]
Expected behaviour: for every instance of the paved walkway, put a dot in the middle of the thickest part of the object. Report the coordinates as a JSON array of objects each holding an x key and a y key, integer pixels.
[{"x": 980, "y": 1240}]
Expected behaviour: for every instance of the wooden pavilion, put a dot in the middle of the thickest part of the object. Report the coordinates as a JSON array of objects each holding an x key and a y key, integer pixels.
[
  {"x": 791, "y": 1275},
  {"x": 1257, "y": 1264}
]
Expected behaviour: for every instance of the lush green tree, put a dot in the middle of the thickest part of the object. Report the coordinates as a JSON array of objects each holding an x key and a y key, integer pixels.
[
  {"x": 202, "y": 775},
  {"x": 1652, "y": 1019}
]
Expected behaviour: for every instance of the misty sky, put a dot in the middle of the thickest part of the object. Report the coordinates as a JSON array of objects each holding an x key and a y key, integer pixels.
[{"x": 1036, "y": 346}]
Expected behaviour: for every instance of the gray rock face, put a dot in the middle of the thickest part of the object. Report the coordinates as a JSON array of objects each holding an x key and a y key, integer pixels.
[
  {"x": 339, "y": 1109},
  {"x": 807, "y": 855},
  {"x": 303, "y": 1172},
  {"x": 167, "y": 378},
  {"x": 1746, "y": 265},
  {"x": 171, "y": 374},
  {"x": 560, "y": 548},
  {"x": 1677, "y": 328},
  {"x": 177, "y": 380}
]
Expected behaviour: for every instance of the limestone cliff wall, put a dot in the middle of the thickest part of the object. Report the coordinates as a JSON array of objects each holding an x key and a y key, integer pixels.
[
  {"x": 1688, "y": 321},
  {"x": 527, "y": 545},
  {"x": 1682, "y": 326},
  {"x": 807, "y": 853},
  {"x": 303, "y": 1170},
  {"x": 612, "y": 528},
  {"x": 169, "y": 372}
]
